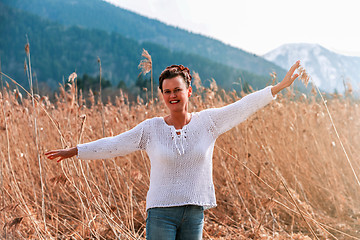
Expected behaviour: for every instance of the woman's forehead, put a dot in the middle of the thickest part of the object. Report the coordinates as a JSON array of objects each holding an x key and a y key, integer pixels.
[{"x": 174, "y": 82}]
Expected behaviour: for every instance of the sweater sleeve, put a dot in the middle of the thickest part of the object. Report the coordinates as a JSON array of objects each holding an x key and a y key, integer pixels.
[
  {"x": 229, "y": 116},
  {"x": 120, "y": 145}
]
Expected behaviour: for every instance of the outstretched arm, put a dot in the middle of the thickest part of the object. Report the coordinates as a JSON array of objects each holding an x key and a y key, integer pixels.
[
  {"x": 120, "y": 145},
  {"x": 287, "y": 81},
  {"x": 229, "y": 116}
]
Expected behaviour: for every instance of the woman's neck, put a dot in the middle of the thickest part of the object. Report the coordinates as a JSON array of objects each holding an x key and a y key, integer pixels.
[{"x": 178, "y": 120}]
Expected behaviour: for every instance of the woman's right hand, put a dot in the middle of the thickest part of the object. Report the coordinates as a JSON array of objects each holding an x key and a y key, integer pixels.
[
  {"x": 288, "y": 79},
  {"x": 62, "y": 153}
]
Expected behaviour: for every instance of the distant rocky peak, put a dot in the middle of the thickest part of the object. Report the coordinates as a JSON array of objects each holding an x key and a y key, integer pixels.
[{"x": 329, "y": 71}]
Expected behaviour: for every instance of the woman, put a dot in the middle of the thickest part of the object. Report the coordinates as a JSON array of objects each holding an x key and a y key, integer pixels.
[{"x": 180, "y": 147}]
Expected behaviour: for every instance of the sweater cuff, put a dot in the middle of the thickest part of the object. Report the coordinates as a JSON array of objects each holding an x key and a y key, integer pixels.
[
  {"x": 80, "y": 151},
  {"x": 268, "y": 89}
]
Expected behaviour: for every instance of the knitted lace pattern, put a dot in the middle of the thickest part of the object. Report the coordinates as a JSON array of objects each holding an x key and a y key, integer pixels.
[{"x": 181, "y": 159}]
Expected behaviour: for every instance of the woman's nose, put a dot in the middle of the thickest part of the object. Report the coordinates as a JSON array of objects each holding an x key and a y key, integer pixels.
[{"x": 173, "y": 94}]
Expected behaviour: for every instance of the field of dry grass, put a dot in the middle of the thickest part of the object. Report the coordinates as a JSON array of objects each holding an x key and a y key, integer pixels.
[{"x": 282, "y": 174}]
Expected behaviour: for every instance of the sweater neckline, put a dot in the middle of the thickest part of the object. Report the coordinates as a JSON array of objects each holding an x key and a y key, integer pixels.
[{"x": 179, "y": 130}]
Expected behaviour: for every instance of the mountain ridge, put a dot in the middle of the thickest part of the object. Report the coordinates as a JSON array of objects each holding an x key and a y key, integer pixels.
[
  {"x": 59, "y": 50},
  {"x": 330, "y": 71},
  {"x": 144, "y": 29}
]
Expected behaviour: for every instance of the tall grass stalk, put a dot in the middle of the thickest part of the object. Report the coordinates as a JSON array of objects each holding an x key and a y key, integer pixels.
[
  {"x": 338, "y": 136},
  {"x": 27, "y": 50},
  {"x": 14, "y": 183},
  {"x": 297, "y": 207},
  {"x": 267, "y": 208},
  {"x": 305, "y": 78},
  {"x": 8, "y": 151},
  {"x": 100, "y": 100},
  {"x": 274, "y": 190},
  {"x": 111, "y": 193},
  {"x": 146, "y": 66},
  {"x": 52, "y": 120},
  {"x": 93, "y": 201}
]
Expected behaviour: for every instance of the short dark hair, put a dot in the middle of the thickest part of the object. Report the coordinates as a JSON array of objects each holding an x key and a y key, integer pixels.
[{"x": 174, "y": 71}]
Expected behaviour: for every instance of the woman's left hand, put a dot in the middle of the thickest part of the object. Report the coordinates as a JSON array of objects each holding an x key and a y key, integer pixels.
[
  {"x": 287, "y": 81},
  {"x": 62, "y": 153}
]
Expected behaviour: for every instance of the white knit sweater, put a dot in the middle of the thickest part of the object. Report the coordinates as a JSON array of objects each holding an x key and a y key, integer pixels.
[{"x": 181, "y": 165}]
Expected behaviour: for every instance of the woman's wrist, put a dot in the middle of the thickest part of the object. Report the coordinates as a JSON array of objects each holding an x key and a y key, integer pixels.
[
  {"x": 276, "y": 89},
  {"x": 73, "y": 151}
]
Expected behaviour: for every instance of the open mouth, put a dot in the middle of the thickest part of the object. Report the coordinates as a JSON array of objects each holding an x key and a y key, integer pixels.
[{"x": 174, "y": 101}]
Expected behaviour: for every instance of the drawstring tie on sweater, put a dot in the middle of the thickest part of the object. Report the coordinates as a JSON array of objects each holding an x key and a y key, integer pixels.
[{"x": 179, "y": 140}]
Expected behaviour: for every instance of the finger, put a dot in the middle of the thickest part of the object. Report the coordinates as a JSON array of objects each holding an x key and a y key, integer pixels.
[
  {"x": 294, "y": 67},
  {"x": 50, "y": 152},
  {"x": 53, "y": 152},
  {"x": 297, "y": 64},
  {"x": 295, "y": 76},
  {"x": 53, "y": 156}
]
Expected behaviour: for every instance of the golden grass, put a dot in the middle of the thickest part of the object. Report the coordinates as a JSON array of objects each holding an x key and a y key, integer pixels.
[
  {"x": 303, "y": 75},
  {"x": 146, "y": 66},
  {"x": 282, "y": 174}
]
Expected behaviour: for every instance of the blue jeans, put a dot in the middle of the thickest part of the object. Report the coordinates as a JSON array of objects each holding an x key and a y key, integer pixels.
[{"x": 175, "y": 223}]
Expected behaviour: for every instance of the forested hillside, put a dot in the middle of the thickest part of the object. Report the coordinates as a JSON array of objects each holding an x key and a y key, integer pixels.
[
  {"x": 58, "y": 50},
  {"x": 102, "y": 15}
]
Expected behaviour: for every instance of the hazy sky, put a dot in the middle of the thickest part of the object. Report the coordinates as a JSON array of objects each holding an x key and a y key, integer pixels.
[{"x": 258, "y": 26}]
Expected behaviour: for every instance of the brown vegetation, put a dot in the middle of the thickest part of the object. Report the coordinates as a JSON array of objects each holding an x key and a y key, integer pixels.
[{"x": 282, "y": 174}]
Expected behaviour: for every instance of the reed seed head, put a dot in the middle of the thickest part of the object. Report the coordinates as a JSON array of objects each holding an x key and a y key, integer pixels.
[
  {"x": 27, "y": 49},
  {"x": 72, "y": 77},
  {"x": 273, "y": 76},
  {"x": 303, "y": 75},
  {"x": 146, "y": 63}
]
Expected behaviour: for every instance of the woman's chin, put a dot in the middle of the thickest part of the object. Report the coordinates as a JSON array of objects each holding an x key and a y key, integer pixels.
[{"x": 177, "y": 109}]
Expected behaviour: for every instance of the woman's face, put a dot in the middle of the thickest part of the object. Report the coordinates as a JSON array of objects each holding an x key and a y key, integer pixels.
[{"x": 176, "y": 94}]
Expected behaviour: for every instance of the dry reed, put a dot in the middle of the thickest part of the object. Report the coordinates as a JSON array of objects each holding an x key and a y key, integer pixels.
[
  {"x": 146, "y": 66},
  {"x": 288, "y": 141}
]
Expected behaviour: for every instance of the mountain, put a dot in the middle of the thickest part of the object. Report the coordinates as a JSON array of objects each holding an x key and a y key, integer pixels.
[
  {"x": 97, "y": 14},
  {"x": 58, "y": 50},
  {"x": 329, "y": 71}
]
